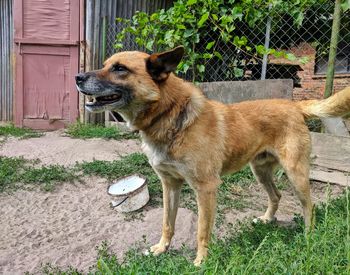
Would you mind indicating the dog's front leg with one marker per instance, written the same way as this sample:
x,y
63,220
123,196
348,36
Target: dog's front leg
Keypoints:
x,y
171,195
206,199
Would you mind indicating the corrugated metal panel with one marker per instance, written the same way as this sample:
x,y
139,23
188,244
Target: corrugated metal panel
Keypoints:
x,y
6,69
97,10
97,33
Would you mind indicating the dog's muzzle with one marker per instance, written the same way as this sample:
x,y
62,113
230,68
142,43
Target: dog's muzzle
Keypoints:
x,y
102,94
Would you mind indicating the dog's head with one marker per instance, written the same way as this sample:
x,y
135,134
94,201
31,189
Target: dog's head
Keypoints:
x,y
128,79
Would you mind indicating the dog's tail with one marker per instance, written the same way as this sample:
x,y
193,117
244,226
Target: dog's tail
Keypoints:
x,y
334,106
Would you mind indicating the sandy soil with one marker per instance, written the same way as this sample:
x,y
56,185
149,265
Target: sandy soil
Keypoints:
x,y
64,227
54,148
256,200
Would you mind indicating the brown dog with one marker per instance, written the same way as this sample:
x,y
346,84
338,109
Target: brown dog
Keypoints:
x,y
189,138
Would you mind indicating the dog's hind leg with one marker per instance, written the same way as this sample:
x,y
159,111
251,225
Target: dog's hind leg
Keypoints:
x,y
171,195
263,171
298,174
295,160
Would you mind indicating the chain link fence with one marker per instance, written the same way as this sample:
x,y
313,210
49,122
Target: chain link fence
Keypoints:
x,y
309,43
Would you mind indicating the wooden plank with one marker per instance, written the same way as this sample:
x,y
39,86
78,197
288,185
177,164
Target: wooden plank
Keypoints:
x,y
48,41
331,152
45,124
335,177
335,126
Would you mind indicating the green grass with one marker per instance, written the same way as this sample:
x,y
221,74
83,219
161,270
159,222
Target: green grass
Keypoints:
x,y
11,130
231,194
19,170
247,249
86,131
133,163
138,163
314,125
15,172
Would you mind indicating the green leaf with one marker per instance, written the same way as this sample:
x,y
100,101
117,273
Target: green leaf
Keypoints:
x,y
181,27
238,72
240,41
188,33
203,19
168,35
278,54
118,45
154,16
149,45
260,49
191,2
207,55
210,45
218,55
345,5
237,13
291,56
201,68
215,17
185,67
299,17
303,60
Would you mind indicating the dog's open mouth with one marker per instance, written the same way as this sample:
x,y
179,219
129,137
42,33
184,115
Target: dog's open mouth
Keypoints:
x,y
102,100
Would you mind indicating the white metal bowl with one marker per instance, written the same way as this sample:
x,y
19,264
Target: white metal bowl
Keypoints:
x,y
129,193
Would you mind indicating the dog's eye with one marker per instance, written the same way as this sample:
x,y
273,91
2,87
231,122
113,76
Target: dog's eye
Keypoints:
x,y
119,69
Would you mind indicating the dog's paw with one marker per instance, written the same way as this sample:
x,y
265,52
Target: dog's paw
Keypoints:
x,y
159,248
201,255
264,219
197,262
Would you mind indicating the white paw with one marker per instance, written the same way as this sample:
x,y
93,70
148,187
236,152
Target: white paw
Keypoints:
x,y
158,249
197,262
264,219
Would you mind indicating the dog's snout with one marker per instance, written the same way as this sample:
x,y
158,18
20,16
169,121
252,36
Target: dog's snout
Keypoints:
x,y
80,78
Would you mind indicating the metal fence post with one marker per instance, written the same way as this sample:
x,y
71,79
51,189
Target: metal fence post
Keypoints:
x,y
267,45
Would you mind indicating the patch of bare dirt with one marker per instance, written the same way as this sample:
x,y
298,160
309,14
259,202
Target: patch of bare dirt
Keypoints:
x,y
54,148
65,226
255,201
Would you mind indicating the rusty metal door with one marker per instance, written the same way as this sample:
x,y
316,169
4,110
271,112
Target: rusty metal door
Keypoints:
x,y
47,58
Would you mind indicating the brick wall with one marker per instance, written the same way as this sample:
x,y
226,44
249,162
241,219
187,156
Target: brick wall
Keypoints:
x,y
312,86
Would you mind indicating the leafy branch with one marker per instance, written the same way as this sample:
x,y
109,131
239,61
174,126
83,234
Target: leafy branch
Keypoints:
x,y
203,26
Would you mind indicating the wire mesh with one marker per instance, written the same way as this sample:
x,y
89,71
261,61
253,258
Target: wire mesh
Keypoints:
x,y
311,40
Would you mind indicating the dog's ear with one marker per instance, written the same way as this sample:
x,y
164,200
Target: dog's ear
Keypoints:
x,y
160,65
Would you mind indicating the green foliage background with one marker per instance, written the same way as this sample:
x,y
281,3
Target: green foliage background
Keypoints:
x,y
188,23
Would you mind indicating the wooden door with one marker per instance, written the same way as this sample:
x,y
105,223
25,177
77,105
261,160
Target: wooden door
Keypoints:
x,y
47,59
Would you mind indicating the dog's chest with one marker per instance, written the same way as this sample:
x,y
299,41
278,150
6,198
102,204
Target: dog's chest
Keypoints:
x,y
160,160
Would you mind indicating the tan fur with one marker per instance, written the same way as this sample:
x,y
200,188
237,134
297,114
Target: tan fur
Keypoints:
x,y
336,105
189,138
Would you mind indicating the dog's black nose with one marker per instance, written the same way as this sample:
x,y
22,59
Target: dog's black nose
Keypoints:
x,y
80,78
